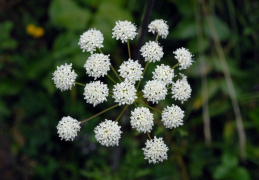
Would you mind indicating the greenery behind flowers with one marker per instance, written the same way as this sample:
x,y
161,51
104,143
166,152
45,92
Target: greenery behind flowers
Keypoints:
x,y
31,106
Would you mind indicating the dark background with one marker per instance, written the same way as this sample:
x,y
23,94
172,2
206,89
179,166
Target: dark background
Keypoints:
x,y
38,36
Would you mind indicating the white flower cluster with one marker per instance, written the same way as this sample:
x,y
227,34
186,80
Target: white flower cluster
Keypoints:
x,y
142,119
124,30
184,57
172,117
64,78
97,65
68,128
90,40
155,150
108,133
131,71
152,52
96,92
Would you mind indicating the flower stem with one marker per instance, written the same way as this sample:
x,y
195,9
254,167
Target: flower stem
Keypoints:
x,y
122,112
149,106
175,65
116,73
148,136
111,79
128,49
99,113
100,50
81,84
142,75
157,37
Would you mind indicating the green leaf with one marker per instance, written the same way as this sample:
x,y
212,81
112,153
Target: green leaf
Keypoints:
x,y
186,29
229,160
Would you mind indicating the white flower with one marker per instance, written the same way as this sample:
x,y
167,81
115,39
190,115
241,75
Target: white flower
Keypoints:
x,y
124,93
184,57
108,133
155,150
172,117
64,78
68,128
90,40
96,92
163,73
155,91
131,70
159,26
181,89
142,119
124,30
97,65
152,52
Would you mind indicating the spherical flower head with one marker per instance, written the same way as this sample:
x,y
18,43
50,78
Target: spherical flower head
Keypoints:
x,y
155,91
90,40
142,119
96,92
155,150
181,89
172,117
68,128
151,51
124,30
164,73
160,27
184,57
97,65
131,71
64,77
124,93
108,133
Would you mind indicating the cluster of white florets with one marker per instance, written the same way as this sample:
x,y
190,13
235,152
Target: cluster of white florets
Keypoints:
x,y
108,132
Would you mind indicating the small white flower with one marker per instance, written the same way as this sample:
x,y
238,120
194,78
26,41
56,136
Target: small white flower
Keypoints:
x,y
131,71
163,73
159,26
151,51
68,128
142,119
97,65
108,133
124,30
184,57
64,78
124,93
96,92
90,40
155,150
172,117
181,89
155,91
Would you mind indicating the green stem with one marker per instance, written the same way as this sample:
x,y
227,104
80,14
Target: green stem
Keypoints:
x,y
100,50
116,73
175,65
99,113
128,49
122,113
111,79
148,136
81,84
135,104
149,106
143,74
157,37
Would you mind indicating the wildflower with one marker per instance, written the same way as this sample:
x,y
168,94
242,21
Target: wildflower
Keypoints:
x,y
184,57
172,116
131,71
155,91
90,40
97,65
64,78
142,119
35,31
155,150
96,92
163,73
124,93
181,89
160,27
124,30
68,128
152,52
108,133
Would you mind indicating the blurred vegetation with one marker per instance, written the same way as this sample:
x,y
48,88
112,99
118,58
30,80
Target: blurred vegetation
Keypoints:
x,y
36,36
